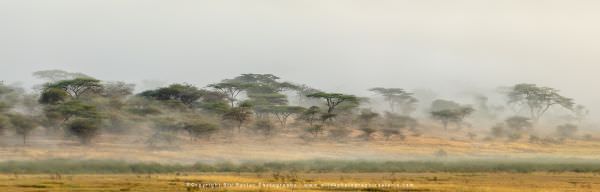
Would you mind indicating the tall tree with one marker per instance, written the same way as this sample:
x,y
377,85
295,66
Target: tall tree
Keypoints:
x,y
537,99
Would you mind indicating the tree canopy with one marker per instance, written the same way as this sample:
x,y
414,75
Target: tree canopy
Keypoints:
x,y
537,99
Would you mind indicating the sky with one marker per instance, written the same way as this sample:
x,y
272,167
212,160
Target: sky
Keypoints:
x,y
449,46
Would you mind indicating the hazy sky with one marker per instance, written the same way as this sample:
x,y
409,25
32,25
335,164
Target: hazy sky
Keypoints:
x,y
340,45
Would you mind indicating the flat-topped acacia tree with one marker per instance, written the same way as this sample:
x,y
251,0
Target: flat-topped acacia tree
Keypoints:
x,y
231,89
537,99
334,99
76,87
397,96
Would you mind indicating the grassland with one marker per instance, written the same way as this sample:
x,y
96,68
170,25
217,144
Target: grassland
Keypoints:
x,y
467,182
125,163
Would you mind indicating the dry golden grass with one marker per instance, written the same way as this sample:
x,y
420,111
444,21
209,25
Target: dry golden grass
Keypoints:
x,y
132,148
467,182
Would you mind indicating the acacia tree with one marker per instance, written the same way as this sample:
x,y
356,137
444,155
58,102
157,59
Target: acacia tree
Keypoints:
x,y
397,96
310,115
537,99
23,125
283,112
446,116
77,87
184,93
196,129
334,99
240,114
366,116
230,88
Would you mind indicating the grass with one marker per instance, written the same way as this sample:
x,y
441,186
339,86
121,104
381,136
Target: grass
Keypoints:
x,y
65,166
443,182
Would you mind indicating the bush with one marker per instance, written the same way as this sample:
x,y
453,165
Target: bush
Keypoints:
x,y
85,129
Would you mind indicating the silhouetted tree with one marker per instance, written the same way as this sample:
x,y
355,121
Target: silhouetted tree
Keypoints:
x,y
537,99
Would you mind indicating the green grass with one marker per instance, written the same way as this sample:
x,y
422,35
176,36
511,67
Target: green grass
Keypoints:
x,y
66,166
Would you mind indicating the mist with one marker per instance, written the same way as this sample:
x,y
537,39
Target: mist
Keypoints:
x,y
342,46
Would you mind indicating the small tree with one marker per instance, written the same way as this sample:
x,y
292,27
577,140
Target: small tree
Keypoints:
x,y
449,111
85,129
241,115
283,112
366,116
183,93
197,129
310,115
23,125
334,99
397,96
231,89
